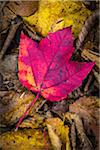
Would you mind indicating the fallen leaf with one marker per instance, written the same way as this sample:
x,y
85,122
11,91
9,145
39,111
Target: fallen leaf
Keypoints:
x,y
9,64
24,139
86,53
73,136
60,107
96,74
87,108
5,15
23,8
59,133
55,15
55,140
33,122
46,67
85,143
13,105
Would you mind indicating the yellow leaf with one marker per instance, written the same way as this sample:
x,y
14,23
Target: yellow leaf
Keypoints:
x,y
55,140
29,139
53,15
59,130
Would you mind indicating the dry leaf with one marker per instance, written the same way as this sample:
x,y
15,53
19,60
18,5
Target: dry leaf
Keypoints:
x,y
13,106
84,141
30,139
60,131
73,135
87,108
35,121
55,15
86,53
55,140
9,64
23,8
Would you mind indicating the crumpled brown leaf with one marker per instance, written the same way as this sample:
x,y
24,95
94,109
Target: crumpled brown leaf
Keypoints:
x,y
87,108
85,143
23,8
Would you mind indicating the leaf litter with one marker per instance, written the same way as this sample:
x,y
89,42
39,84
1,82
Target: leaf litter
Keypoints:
x,y
78,125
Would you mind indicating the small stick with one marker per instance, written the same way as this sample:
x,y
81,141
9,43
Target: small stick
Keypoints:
x,y
88,83
27,111
97,76
43,102
95,53
9,38
79,92
31,34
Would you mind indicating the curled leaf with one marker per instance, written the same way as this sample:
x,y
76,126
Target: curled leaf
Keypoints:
x,y
55,140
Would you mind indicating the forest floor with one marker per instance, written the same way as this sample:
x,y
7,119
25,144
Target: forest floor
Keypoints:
x,y
71,124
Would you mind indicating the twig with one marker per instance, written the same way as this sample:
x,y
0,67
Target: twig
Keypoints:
x,y
97,76
79,92
13,28
88,83
41,105
31,34
95,53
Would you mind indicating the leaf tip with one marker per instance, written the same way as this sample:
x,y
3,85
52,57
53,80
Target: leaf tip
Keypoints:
x,y
92,64
22,36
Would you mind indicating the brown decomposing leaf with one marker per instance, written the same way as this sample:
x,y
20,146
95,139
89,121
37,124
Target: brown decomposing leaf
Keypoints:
x,y
73,135
5,15
89,24
34,121
12,30
11,16
8,71
9,64
13,105
23,8
87,108
83,139
60,107
86,53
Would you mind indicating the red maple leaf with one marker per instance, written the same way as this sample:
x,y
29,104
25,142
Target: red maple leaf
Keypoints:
x,y
46,67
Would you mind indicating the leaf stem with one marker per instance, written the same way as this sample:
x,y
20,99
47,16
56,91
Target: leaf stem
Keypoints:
x,y
27,111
